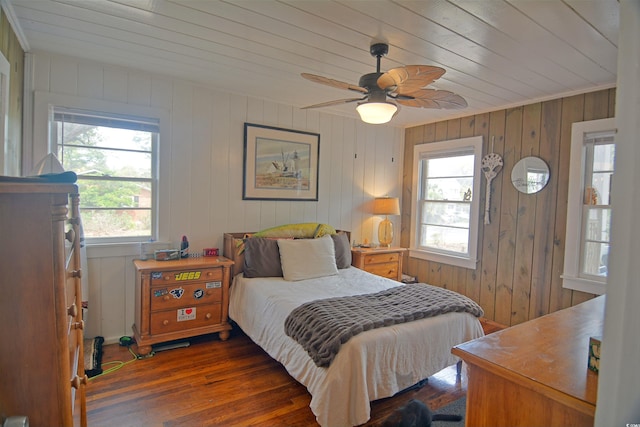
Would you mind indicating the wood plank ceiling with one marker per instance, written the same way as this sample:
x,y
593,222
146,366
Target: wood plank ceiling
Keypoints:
x,y
497,53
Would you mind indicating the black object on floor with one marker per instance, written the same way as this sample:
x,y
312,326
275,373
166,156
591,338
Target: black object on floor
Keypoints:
x,y
93,356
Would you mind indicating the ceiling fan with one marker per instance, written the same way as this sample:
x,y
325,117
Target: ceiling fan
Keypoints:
x,y
403,85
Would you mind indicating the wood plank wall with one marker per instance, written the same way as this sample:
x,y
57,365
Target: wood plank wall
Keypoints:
x,y
521,252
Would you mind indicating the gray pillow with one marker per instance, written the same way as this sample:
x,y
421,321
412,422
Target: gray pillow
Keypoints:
x,y
261,258
343,250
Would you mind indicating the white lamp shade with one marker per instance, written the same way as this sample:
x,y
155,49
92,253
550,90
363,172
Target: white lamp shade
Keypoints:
x,y
376,112
386,206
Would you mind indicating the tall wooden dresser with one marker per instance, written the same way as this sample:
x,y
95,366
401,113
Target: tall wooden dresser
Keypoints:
x,y
41,355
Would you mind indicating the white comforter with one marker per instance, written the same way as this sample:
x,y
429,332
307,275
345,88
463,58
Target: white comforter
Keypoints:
x,y
372,365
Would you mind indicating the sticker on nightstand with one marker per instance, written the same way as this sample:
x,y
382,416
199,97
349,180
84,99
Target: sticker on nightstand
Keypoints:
x,y
211,285
198,293
177,293
160,292
188,275
156,274
186,314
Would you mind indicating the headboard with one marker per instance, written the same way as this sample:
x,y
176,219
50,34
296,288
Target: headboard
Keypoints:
x,y
230,248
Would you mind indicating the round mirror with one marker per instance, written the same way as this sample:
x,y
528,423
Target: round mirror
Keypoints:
x,y
530,175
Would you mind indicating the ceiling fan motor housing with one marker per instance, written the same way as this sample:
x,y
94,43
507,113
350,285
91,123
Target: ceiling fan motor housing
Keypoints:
x,y
370,81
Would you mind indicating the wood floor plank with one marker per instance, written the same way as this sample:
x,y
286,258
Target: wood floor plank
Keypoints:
x,y
230,383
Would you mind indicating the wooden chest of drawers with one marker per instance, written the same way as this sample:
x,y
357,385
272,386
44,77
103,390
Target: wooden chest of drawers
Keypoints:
x,y
385,262
180,299
41,356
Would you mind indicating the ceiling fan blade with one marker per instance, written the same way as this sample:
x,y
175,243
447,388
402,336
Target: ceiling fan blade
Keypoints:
x,y
333,83
431,98
336,102
409,78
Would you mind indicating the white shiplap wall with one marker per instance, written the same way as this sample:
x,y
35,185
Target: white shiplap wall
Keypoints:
x,y
201,167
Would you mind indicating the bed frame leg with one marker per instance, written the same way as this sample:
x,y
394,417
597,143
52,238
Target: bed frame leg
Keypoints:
x,y
459,368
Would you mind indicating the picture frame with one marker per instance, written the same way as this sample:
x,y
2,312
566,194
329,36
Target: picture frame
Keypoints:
x,y
280,164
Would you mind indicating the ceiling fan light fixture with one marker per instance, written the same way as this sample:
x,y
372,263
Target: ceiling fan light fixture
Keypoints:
x,y
376,112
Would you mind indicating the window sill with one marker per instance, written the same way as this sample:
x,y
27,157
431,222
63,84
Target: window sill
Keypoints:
x,y
583,285
444,259
108,250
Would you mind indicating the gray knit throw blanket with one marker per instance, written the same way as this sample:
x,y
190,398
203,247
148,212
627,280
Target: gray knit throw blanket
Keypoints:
x,y
322,326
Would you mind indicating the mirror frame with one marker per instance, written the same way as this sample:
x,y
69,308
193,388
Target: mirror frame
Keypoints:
x,y
520,170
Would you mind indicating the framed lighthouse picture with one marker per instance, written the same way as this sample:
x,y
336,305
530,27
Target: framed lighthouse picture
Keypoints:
x,y
280,164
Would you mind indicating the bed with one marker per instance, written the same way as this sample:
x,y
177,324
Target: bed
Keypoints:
x,y
374,364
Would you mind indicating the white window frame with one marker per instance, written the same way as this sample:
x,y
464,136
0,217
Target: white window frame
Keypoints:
x,y
44,103
450,147
571,277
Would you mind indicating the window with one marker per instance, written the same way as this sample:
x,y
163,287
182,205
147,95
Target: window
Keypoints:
x,y
445,208
114,158
589,206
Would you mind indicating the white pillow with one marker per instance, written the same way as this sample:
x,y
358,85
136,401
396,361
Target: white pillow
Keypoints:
x,y
307,258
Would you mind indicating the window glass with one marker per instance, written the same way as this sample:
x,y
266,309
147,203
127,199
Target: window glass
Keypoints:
x,y
596,215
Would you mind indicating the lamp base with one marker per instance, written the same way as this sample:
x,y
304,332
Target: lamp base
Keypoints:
x,y
385,233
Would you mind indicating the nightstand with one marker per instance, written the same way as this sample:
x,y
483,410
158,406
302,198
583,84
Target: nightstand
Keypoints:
x,y
180,299
385,262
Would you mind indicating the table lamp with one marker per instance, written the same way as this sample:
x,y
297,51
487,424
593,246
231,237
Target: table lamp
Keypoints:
x,y
386,206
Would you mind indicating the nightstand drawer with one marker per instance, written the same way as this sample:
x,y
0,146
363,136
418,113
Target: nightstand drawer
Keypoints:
x,y
381,258
185,317
166,297
388,270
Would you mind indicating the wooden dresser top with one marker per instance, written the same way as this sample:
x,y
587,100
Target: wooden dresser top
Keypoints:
x,y
550,352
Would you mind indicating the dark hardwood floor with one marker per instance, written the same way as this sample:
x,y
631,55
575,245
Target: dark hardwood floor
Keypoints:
x,y
232,383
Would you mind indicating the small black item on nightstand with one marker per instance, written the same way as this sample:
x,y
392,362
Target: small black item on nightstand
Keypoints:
x,y
184,247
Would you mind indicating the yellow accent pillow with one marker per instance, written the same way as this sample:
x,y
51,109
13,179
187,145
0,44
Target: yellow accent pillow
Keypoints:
x,y
306,230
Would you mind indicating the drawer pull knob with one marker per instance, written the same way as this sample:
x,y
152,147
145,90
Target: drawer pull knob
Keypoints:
x,y
70,235
165,298
166,277
165,322
72,310
78,325
75,273
207,316
77,381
